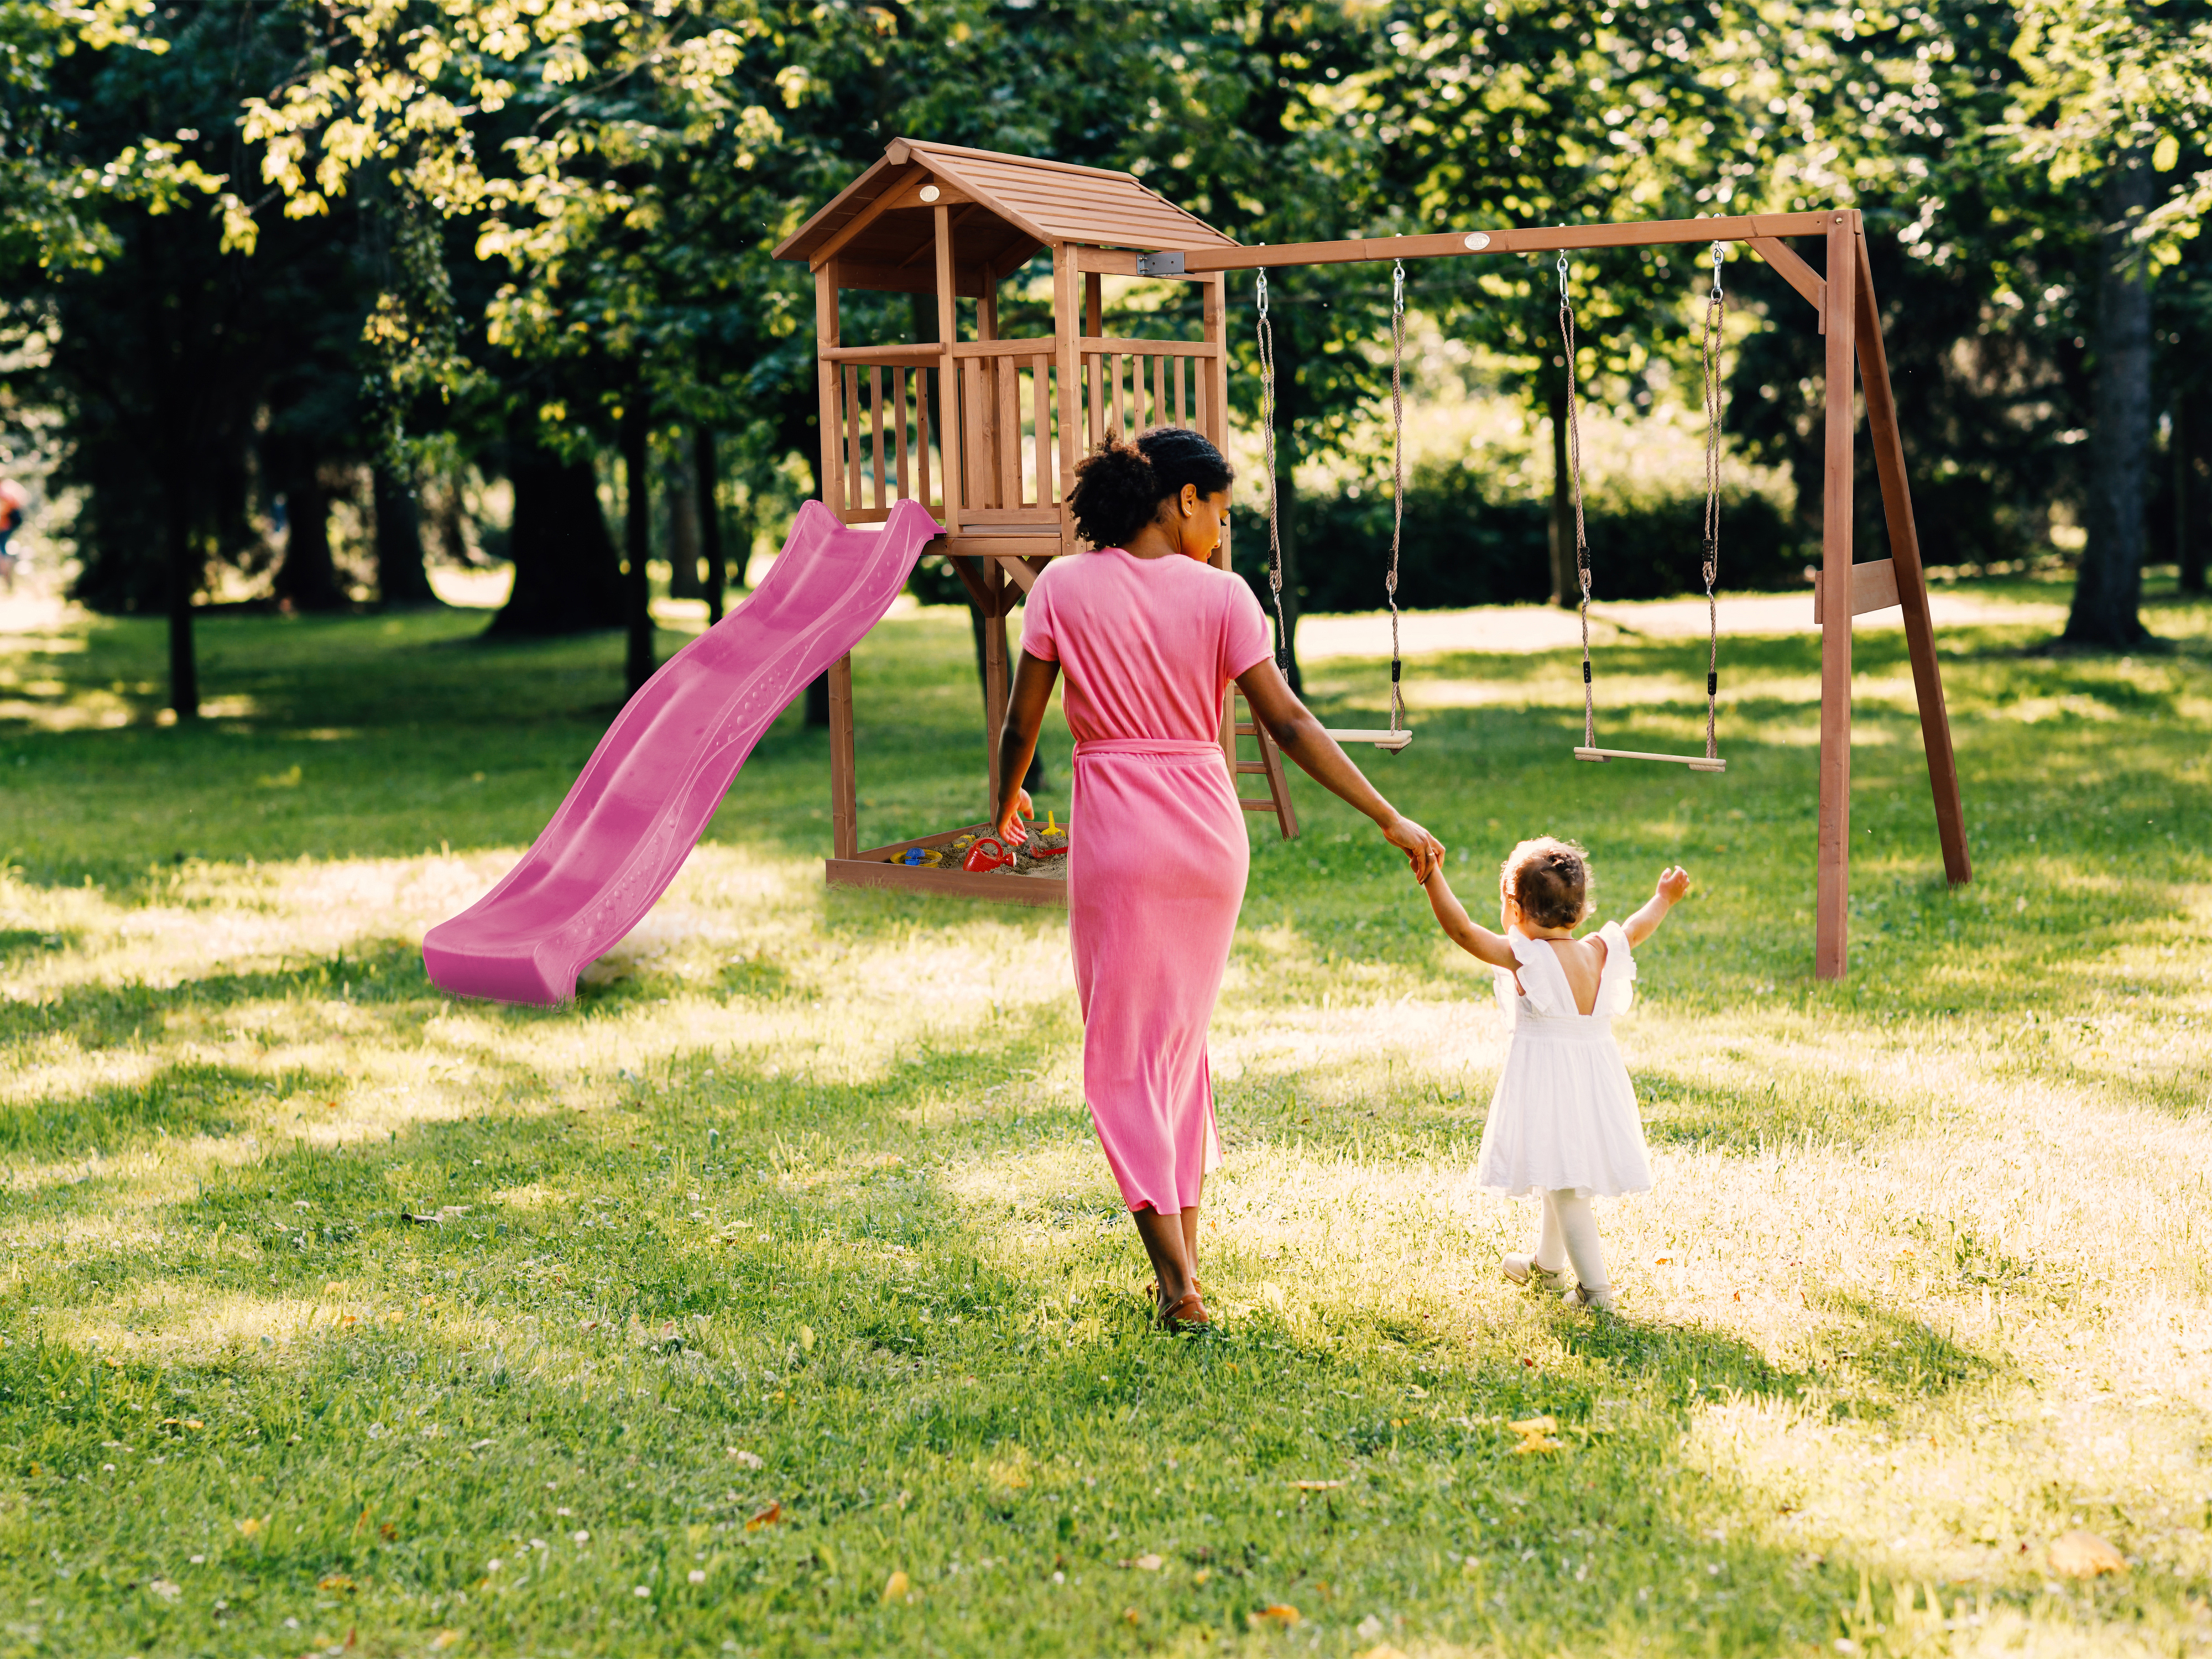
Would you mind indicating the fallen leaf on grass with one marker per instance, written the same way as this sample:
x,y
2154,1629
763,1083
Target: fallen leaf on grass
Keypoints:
x,y
337,1581
766,1517
1143,1563
167,1588
444,1640
896,1586
1315,1485
750,1459
251,1525
2084,1555
1280,1613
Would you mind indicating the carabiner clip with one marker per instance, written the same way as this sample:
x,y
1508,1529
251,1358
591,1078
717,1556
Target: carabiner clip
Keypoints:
x,y
1397,288
1263,293
1716,267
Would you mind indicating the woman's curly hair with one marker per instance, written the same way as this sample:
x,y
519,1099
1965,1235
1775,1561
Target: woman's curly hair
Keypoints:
x,y
1549,879
1120,485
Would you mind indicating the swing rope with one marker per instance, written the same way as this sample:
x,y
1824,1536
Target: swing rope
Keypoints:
x,y
1710,352
1274,525
1715,315
1397,477
1575,483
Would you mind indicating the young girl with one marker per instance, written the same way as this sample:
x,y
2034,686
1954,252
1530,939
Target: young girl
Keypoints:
x,y
1563,1123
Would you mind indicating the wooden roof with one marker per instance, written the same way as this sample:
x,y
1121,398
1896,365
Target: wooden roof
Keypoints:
x,y
1007,207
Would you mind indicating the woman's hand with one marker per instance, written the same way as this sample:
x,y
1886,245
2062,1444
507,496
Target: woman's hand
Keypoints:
x,y
1009,827
1423,851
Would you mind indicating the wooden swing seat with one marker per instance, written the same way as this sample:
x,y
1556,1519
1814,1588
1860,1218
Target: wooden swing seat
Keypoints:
x,y
1695,762
1392,741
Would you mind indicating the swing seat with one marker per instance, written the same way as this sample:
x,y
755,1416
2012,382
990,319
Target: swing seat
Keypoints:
x,y
1695,762
1392,741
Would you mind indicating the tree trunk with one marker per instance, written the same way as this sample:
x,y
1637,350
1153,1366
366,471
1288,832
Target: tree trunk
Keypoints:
x,y
1567,583
185,574
2108,592
307,579
400,578
637,540
2191,497
682,497
1286,501
706,475
567,579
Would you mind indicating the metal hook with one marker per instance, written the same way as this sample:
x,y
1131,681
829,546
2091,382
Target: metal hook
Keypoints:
x,y
1397,287
1263,293
1563,273
1716,267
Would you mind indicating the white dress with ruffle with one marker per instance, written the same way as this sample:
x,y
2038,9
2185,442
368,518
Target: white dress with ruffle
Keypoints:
x,y
1565,1112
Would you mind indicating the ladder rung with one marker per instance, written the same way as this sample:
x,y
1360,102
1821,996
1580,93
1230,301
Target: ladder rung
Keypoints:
x,y
1244,730
1265,804
1695,762
1251,766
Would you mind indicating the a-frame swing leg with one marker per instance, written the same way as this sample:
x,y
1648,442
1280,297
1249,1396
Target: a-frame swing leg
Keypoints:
x,y
1832,903
1912,580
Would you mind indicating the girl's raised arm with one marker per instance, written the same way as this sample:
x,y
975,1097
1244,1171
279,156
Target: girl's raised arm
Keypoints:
x,y
1470,935
1674,882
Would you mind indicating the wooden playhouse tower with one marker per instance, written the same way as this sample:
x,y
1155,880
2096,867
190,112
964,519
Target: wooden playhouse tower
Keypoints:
x,y
986,431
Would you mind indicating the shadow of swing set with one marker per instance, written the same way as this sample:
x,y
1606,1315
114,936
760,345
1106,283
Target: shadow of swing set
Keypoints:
x,y
985,432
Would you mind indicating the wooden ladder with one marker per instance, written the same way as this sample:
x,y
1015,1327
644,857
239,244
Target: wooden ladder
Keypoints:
x,y
1236,722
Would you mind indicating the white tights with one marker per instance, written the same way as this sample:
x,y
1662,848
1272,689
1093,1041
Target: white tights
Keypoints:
x,y
1569,1231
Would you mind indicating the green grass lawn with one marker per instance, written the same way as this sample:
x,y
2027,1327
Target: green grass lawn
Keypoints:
x,y
774,1297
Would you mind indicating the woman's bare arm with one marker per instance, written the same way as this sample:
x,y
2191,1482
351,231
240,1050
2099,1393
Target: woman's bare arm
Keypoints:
x,y
1034,679
1299,735
1470,935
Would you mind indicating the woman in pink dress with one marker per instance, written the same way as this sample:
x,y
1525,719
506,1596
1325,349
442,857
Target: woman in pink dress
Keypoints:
x,y
1150,634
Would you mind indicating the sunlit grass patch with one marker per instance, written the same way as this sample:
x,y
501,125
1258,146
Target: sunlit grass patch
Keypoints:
x,y
782,1266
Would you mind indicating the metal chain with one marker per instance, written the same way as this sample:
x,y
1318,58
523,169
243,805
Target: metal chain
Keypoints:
x,y
1575,477
1268,426
1397,474
1715,315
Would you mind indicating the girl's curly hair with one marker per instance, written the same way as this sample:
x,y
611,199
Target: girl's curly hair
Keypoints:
x,y
1549,879
1120,485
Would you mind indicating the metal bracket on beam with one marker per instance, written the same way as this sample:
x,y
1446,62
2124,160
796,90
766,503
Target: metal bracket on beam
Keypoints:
x,y
1160,264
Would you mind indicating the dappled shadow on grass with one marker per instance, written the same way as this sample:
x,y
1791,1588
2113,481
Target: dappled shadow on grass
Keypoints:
x,y
178,1100
97,1015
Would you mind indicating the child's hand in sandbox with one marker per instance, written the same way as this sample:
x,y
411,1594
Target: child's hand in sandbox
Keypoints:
x,y
1010,828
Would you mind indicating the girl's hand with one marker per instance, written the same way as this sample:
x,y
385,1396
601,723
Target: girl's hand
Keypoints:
x,y
1674,882
1009,827
1423,851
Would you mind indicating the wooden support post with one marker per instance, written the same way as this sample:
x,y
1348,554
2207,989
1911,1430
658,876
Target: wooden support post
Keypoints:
x,y
994,668
1067,327
844,793
1882,432
826,372
1831,913
1213,370
948,378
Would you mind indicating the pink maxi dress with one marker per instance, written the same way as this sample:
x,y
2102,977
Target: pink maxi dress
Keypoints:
x,y
1157,858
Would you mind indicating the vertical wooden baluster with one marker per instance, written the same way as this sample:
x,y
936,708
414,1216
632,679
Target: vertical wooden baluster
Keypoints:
x,y
1040,395
922,381
876,415
852,497
975,416
1010,432
1159,392
899,425
1120,420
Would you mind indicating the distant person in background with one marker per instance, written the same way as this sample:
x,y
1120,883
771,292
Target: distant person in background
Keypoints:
x,y
15,500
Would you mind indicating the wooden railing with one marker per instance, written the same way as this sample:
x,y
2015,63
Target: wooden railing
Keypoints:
x,y
1129,385
890,410
884,395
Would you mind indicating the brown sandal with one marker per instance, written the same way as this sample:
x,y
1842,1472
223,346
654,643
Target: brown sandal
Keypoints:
x,y
1189,1314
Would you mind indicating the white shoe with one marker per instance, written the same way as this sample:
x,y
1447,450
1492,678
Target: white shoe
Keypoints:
x,y
1522,1268
1582,1297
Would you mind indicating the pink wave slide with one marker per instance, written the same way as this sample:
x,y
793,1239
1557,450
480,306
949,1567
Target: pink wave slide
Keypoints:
x,y
644,796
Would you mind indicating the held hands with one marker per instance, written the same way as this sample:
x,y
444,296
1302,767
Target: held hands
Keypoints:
x,y
1017,807
1674,884
1423,852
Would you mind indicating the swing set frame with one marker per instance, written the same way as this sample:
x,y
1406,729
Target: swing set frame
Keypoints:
x,y
931,219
